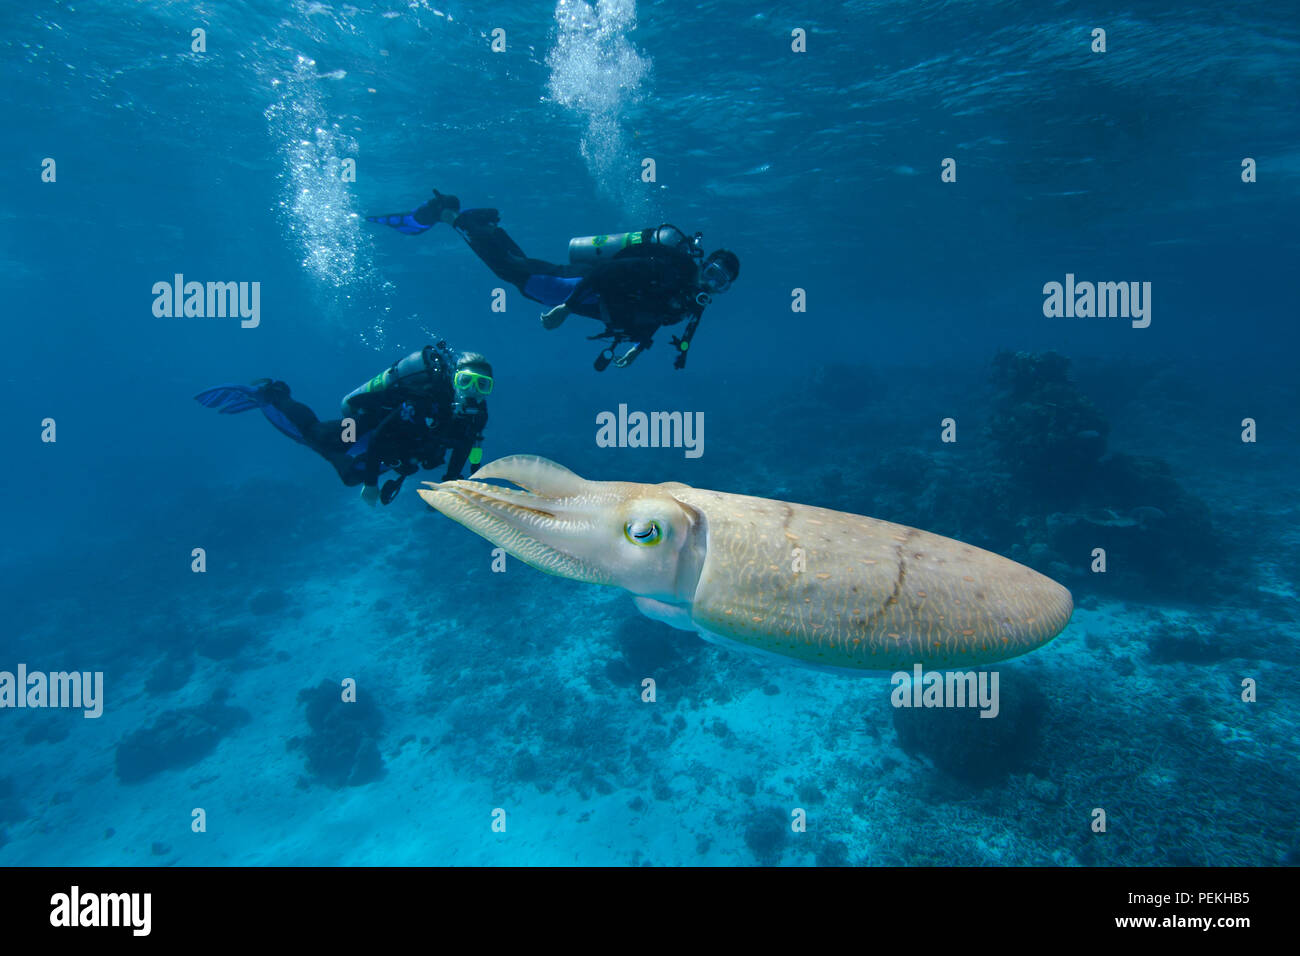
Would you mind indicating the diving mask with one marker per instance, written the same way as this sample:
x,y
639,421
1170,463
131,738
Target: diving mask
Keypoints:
x,y
466,380
715,277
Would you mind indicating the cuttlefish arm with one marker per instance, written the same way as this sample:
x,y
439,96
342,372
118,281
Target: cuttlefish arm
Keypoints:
x,y
821,587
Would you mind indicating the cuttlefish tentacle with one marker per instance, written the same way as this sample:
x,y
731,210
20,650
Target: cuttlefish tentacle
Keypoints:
x,y
821,587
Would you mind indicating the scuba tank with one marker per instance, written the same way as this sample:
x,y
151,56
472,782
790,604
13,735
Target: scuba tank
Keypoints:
x,y
604,248
420,372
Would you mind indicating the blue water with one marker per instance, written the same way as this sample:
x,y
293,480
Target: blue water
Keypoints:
x,y
482,691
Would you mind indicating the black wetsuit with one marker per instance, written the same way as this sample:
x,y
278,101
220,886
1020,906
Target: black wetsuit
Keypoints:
x,y
405,431
638,291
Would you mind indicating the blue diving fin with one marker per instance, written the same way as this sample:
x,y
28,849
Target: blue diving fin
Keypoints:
x,y
231,399
234,399
434,211
403,222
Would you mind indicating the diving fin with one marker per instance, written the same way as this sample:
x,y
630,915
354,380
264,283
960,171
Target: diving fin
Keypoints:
x,y
403,222
231,399
390,489
235,399
436,210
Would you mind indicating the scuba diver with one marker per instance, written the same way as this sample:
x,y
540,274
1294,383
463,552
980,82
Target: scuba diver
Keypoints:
x,y
407,417
634,282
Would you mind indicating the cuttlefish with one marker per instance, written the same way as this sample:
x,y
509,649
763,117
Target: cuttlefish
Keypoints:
x,y
807,584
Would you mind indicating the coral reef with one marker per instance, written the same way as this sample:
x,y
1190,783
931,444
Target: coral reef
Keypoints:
x,y
649,649
177,738
342,749
767,834
270,601
171,673
11,811
976,750
224,643
1047,434
1051,440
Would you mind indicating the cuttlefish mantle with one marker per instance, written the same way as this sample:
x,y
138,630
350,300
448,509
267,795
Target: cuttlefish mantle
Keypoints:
x,y
819,587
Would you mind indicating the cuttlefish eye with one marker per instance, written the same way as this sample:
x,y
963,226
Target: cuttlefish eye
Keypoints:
x,y
646,533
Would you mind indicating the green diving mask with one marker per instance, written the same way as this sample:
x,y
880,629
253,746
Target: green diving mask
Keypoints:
x,y
466,381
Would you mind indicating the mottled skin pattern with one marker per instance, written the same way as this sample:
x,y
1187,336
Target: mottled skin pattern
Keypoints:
x,y
869,594
820,587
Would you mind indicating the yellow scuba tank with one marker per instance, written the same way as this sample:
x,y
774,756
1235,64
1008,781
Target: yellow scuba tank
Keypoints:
x,y
419,372
604,248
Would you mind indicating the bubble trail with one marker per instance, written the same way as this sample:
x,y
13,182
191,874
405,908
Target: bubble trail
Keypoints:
x,y
597,72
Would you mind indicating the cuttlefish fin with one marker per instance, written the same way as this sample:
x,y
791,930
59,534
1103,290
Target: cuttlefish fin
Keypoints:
x,y
534,474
